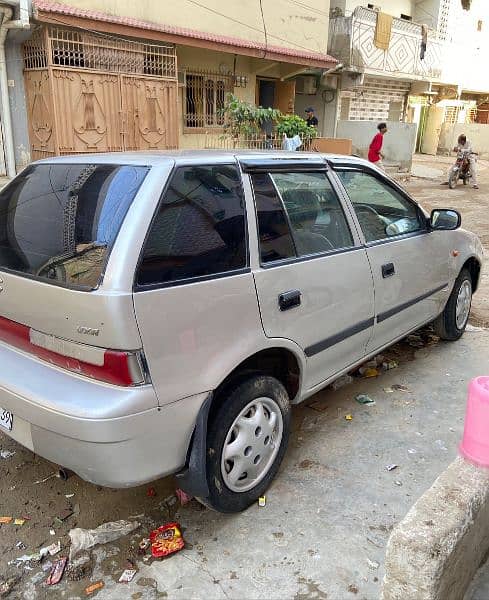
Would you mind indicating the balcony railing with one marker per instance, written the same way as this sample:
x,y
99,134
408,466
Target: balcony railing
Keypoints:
x,y
351,40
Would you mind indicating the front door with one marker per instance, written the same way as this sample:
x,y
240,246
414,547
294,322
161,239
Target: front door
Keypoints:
x,y
314,284
409,263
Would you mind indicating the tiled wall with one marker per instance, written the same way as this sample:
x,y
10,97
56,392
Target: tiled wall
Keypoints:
x,y
372,100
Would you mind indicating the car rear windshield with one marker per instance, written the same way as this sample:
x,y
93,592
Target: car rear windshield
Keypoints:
x,y
58,221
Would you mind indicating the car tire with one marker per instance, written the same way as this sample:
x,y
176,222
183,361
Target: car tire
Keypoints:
x,y
255,416
451,323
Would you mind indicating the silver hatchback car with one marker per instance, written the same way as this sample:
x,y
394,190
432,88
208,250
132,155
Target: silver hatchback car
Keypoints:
x,y
160,313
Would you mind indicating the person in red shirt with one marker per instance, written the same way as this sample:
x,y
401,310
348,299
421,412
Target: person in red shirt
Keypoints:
x,y
374,152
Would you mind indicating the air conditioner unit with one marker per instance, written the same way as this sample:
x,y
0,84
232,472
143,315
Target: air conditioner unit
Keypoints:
x,y
306,85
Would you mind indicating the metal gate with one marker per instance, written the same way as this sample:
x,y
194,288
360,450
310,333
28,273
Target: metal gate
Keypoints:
x,y
90,93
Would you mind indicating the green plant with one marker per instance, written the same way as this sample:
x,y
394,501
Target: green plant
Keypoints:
x,y
243,118
293,125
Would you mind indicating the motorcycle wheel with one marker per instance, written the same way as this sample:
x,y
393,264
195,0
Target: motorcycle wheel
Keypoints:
x,y
452,179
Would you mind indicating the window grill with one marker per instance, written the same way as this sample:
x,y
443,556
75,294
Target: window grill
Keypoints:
x,y
35,56
205,96
71,48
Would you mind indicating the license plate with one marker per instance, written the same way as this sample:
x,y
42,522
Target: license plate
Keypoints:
x,y
6,419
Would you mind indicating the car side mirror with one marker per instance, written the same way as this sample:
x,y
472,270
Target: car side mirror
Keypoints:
x,y
445,219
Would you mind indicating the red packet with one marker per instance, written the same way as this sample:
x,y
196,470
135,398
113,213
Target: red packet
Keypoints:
x,y
56,572
166,540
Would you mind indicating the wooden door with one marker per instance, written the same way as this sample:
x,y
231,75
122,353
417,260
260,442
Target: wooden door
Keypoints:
x,y
40,114
88,111
285,96
149,108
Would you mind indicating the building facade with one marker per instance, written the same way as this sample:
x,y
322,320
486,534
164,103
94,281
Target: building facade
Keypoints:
x,y
120,75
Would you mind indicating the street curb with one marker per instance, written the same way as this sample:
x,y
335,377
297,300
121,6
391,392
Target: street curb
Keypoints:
x,y
435,551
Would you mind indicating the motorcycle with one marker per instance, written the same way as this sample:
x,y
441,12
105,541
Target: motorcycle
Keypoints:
x,y
461,169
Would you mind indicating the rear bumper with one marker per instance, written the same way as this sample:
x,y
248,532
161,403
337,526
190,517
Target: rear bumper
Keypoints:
x,y
108,435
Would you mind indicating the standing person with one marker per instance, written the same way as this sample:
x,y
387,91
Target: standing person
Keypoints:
x,y
464,144
374,151
311,119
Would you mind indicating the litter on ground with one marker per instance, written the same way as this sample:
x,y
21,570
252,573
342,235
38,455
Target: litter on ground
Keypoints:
x,y
364,399
166,540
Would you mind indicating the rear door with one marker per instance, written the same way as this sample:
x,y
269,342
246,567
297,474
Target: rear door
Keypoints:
x,y
314,283
195,299
409,263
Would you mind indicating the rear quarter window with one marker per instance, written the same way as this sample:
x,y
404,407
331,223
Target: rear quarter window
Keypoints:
x,y
199,229
58,221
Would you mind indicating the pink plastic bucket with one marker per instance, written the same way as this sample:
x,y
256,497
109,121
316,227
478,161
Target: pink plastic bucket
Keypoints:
x,y
475,442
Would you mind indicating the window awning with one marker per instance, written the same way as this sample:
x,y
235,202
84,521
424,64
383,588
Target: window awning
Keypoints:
x,y
62,14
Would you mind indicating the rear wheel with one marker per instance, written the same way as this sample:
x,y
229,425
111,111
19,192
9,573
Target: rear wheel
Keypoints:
x,y
246,441
451,324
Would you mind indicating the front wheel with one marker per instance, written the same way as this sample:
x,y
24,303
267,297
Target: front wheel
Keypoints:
x,y
451,324
246,441
453,178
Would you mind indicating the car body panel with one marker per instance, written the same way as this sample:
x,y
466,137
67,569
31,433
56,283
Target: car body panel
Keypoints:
x,y
195,334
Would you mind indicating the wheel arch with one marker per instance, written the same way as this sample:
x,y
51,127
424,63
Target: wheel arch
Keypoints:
x,y
276,361
473,266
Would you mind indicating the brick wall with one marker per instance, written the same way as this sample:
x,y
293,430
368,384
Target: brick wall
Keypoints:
x,y
372,101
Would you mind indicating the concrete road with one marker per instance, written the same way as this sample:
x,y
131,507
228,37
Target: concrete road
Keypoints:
x,y
323,531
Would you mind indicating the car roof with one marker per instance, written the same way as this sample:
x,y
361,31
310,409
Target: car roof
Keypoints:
x,y
156,158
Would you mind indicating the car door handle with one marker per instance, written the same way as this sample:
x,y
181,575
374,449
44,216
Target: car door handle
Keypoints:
x,y
287,300
388,270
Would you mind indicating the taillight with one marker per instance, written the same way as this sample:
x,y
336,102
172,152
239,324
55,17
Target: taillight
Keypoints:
x,y
111,366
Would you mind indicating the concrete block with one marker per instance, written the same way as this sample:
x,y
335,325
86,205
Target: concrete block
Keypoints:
x,y
435,551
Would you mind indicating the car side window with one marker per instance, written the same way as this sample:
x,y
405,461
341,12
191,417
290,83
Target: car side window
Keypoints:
x,y
316,217
299,214
274,234
199,229
381,210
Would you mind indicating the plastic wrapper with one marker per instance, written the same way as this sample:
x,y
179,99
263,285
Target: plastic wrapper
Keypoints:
x,y
82,539
166,540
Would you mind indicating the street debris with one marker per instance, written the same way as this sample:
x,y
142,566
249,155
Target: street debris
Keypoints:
x,y
412,450
368,372
364,399
94,587
53,549
127,575
6,454
373,564
388,365
80,567
5,520
46,478
20,545
341,382
441,445
52,532
7,586
46,566
391,467
83,539
349,417
262,501
397,482
166,540
183,497
151,492
396,387
57,571
19,521
143,545
69,495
